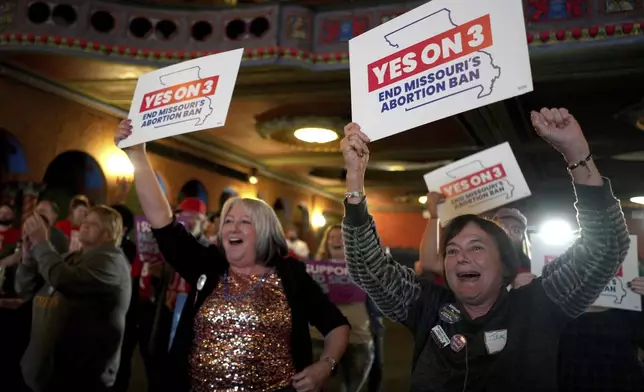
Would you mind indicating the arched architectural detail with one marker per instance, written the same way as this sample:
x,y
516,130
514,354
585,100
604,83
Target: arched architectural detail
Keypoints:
x,y
193,188
226,194
13,161
302,221
72,173
281,208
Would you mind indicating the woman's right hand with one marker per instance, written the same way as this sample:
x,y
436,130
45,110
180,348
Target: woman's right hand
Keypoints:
x,y
354,150
123,131
433,200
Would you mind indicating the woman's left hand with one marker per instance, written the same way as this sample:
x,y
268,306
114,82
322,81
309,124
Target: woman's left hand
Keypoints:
x,y
562,131
637,285
312,378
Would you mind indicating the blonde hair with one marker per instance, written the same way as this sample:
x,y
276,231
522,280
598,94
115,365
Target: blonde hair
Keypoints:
x,y
323,250
112,222
271,241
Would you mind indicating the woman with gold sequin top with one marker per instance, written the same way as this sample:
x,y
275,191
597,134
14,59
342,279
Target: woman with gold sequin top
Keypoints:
x,y
245,323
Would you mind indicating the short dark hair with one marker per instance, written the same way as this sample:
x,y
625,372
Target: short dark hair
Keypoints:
x,y
507,251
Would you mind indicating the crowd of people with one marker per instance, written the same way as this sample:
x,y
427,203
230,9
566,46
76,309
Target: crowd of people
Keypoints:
x,y
254,319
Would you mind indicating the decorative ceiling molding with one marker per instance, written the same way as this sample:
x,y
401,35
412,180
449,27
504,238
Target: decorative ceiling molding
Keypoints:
x,y
281,130
210,149
22,40
57,89
224,152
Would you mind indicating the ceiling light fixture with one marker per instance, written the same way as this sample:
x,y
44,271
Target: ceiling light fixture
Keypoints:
x,y
396,168
637,199
252,178
556,232
422,199
318,220
315,135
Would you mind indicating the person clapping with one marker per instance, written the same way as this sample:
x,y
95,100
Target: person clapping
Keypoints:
x,y
79,312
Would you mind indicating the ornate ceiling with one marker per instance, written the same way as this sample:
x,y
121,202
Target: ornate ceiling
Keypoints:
x,y
596,80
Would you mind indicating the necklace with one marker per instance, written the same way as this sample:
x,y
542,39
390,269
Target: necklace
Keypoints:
x,y
229,297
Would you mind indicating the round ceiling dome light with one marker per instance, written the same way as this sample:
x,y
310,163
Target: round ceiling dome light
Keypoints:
x,y
315,135
637,199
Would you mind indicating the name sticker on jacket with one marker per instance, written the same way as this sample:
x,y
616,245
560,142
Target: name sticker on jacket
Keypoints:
x,y
439,336
495,340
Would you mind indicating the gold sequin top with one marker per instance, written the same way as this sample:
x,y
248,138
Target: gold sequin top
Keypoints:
x,y
243,344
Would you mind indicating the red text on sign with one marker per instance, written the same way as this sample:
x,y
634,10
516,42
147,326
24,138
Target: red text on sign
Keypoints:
x,y
178,93
442,48
473,181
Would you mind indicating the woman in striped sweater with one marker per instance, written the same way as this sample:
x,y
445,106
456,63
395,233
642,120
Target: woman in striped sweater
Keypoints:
x,y
473,334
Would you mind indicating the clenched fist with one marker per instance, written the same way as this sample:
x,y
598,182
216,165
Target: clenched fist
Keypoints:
x,y
355,150
562,131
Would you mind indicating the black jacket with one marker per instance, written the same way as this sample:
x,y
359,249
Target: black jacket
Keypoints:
x,y
309,305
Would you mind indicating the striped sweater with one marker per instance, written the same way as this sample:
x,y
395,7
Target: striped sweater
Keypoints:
x,y
573,281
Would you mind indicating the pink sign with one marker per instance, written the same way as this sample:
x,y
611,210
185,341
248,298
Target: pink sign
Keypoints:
x,y
335,281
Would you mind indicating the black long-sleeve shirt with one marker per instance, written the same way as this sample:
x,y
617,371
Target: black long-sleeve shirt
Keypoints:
x,y
514,346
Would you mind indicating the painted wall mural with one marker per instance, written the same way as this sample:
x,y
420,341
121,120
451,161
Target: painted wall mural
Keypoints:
x,y
618,6
556,10
298,27
7,12
273,33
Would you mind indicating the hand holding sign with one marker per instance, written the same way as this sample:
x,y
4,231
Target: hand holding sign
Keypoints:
x,y
123,131
355,150
637,285
433,200
562,131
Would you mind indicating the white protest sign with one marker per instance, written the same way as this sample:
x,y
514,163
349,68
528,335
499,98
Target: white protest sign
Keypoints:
x,y
616,294
440,59
185,97
478,183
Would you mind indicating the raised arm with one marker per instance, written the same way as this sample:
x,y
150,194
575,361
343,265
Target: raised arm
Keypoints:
x,y
393,287
101,272
577,278
153,202
428,252
178,247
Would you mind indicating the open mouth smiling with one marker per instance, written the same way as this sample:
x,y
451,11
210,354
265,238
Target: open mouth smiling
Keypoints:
x,y
235,241
469,276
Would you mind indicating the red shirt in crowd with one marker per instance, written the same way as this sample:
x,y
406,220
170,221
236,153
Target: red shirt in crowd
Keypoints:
x,y
71,232
8,237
